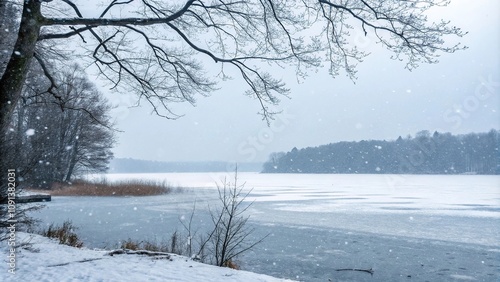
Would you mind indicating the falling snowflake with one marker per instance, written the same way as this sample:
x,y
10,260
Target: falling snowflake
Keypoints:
x,y
30,132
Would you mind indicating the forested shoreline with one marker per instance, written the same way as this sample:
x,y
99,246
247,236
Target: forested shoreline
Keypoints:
x,y
426,153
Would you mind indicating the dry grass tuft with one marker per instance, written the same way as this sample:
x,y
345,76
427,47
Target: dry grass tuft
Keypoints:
x,y
103,188
65,234
130,245
231,264
153,246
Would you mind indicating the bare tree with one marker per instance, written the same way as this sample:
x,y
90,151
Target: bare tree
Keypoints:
x,y
231,234
156,48
54,145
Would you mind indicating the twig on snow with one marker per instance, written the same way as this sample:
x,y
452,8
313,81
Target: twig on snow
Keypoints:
x,y
356,269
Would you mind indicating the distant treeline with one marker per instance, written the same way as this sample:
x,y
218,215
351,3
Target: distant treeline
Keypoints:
x,y
122,165
439,153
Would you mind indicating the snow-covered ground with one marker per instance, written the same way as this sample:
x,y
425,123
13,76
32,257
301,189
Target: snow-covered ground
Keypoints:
x,y
43,260
434,227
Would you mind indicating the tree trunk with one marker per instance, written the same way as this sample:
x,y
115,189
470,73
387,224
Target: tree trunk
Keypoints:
x,y
8,31
73,160
20,135
11,82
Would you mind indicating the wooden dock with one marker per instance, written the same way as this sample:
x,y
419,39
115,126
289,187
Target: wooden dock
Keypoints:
x,y
30,199
33,198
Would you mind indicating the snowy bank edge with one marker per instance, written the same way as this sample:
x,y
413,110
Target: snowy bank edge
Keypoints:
x,y
42,259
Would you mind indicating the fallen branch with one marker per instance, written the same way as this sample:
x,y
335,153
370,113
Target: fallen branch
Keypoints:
x,y
138,252
78,261
356,269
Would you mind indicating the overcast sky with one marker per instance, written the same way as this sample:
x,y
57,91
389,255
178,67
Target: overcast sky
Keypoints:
x,y
459,95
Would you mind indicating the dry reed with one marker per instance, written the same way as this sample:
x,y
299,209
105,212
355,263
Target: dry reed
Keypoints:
x,y
104,188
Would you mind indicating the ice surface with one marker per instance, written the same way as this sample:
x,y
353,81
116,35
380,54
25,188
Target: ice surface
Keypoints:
x,y
460,195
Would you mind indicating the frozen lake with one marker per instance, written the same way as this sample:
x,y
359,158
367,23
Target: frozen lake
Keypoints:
x,y
432,227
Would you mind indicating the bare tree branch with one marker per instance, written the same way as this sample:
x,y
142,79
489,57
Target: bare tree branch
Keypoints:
x,y
114,22
53,84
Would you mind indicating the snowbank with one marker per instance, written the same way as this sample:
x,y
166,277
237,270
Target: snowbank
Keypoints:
x,y
46,260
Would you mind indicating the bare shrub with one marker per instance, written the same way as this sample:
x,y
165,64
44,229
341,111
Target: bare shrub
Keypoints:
x,y
230,235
